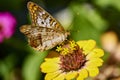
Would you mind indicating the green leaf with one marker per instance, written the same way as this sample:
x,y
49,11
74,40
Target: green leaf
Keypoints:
x,y
106,3
31,67
87,23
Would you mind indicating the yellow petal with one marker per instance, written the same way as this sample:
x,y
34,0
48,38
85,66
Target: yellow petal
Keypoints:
x,y
94,62
49,66
60,77
87,46
50,76
52,59
71,75
82,43
82,74
80,78
95,53
93,71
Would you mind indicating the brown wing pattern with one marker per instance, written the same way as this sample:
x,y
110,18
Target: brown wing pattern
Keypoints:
x,y
42,18
41,38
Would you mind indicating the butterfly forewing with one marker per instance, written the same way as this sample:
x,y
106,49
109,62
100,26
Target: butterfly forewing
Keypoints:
x,y
45,32
42,18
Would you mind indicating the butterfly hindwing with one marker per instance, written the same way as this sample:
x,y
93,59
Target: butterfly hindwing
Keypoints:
x,y
42,18
41,38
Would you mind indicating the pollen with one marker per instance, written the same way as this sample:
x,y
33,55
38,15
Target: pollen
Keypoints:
x,y
72,45
66,47
65,51
59,48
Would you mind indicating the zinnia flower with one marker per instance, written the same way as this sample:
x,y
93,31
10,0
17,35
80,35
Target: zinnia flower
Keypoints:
x,y
78,60
7,25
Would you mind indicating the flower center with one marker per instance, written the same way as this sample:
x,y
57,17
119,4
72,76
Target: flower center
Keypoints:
x,y
73,61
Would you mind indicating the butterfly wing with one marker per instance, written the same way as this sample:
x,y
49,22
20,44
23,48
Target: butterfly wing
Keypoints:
x,y
49,43
42,18
41,38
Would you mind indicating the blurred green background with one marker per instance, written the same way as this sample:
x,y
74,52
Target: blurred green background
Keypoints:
x,y
85,19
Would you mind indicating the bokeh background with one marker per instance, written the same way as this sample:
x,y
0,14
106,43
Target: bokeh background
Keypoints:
x,y
85,19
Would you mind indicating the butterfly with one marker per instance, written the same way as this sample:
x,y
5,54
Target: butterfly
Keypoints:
x,y
45,32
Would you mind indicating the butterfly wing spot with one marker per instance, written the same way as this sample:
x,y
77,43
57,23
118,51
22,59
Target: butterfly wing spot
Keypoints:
x,y
30,5
35,40
35,8
41,13
35,15
47,20
41,22
54,23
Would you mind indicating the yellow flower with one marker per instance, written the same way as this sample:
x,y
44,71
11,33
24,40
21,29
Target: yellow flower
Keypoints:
x,y
83,62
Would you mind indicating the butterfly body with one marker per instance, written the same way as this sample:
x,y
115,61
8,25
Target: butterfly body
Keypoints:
x,y
45,32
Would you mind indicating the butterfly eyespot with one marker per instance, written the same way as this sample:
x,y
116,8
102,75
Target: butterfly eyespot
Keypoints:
x,y
42,22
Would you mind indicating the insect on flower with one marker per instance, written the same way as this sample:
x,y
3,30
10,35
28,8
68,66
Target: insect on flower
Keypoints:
x,y
45,32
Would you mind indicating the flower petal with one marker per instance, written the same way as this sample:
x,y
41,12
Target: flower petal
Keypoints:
x,y
71,75
80,78
94,62
93,71
53,59
82,43
87,46
49,66
60,77
82,74
50,76
95,53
